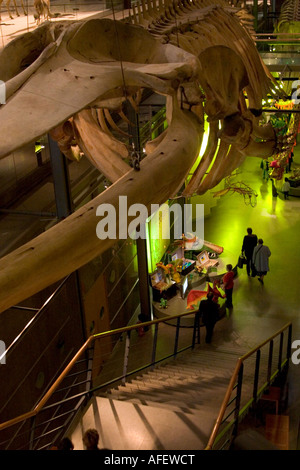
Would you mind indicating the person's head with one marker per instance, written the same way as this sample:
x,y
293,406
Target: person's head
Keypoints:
x,y
229,267
209,295
285,179
249,231
260,241
90,439
66,444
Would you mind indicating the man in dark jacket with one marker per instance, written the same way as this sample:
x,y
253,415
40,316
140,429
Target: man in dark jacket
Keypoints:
x,y
249,243
209,311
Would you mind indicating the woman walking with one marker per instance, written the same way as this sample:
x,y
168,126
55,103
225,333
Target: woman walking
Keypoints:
x,y
261,255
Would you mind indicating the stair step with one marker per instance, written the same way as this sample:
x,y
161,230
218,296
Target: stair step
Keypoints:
x,y
203,374
192,390
176,407
202,361
181,373
177,404
181,395
176,379
198,368
207,394
208,352
167,380
195,391
194,382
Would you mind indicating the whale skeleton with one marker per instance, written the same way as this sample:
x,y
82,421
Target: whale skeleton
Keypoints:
x,y
200,55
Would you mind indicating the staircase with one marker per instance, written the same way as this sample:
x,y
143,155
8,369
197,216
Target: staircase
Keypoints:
x,y
173,407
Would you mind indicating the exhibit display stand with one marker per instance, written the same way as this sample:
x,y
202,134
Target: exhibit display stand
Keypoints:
x,y
183,277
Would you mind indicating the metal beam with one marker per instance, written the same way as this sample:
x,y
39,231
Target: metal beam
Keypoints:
x,y
280,61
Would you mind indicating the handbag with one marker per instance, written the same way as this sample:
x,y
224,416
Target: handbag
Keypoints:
x,y
241,261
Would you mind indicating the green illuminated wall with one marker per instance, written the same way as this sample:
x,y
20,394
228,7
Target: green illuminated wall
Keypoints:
x,y
202,150
157,242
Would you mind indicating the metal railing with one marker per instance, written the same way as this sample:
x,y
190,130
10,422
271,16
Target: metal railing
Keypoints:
x,y
38,432
17,351
153,127
47,422
261,382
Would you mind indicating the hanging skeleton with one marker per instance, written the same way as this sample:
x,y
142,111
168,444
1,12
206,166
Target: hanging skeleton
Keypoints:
x,y
199,55
8,2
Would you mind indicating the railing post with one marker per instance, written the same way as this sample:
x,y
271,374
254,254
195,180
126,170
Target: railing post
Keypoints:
x,y
126,354
90,359
154,346
255,14
196,329
32,431
256,375
289,345
280,353
176,336
238,400
270,362
238,375
289,348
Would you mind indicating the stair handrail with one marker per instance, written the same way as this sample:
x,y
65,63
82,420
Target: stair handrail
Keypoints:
x,y
40,405
232,383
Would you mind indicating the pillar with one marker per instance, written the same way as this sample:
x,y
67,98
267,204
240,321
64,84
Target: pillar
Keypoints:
x,y
145,300
60,180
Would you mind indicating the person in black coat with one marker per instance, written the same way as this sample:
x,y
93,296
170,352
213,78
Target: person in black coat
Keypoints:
x,y
209,311
249,243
